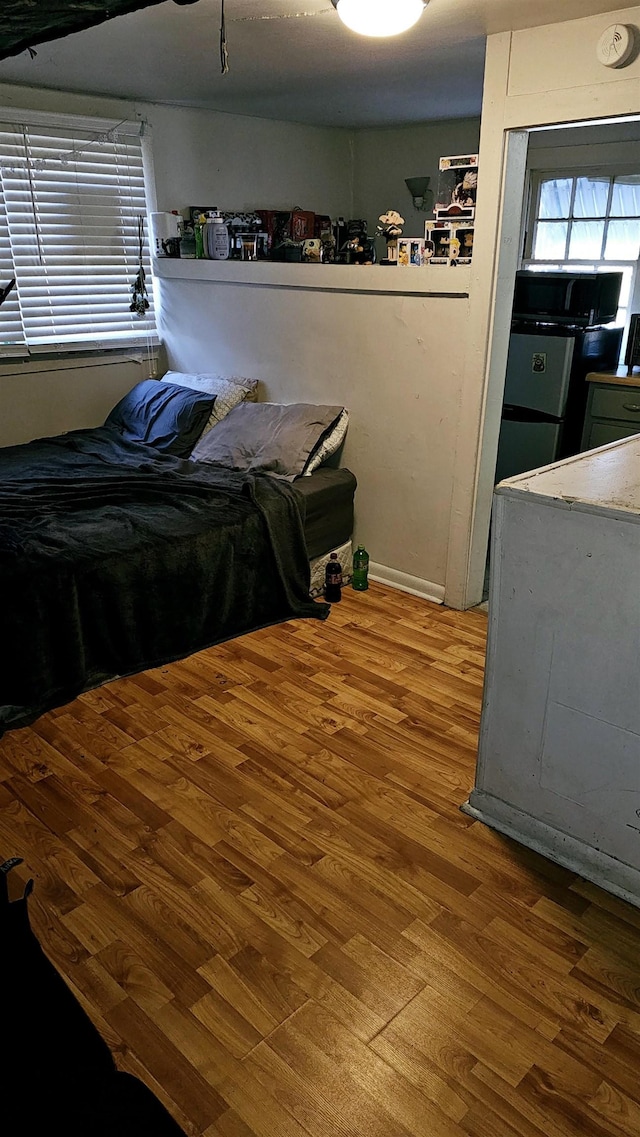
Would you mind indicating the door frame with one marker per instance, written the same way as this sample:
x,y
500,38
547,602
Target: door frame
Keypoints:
x,y
536,78
495,262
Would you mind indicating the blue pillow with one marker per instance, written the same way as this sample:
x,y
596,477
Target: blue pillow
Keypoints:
x,y
163,415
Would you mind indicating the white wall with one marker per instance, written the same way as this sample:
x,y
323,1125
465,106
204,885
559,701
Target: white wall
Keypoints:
x,y
200,158
46,397
536,77
395,362
575,146
236,162
385,157
327,334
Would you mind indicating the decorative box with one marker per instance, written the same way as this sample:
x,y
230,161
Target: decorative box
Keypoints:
x,y
446,243
286,225
411,251
302,224
457,188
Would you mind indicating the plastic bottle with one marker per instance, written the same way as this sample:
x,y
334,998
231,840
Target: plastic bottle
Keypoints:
x,y
360,576
216,238
333,580
187,241
198,229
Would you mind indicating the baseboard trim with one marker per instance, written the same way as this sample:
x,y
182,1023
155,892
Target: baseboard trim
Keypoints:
x,y
406,583
600,868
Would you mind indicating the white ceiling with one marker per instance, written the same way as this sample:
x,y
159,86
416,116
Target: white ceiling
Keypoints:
x,y
303,66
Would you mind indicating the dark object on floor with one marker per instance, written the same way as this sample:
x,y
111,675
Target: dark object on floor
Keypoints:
x,y
23,23
57,1075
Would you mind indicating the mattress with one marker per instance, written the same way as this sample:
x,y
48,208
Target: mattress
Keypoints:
x,y
325,500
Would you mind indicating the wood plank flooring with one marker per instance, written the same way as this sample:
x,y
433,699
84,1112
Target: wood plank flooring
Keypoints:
x,y
252,869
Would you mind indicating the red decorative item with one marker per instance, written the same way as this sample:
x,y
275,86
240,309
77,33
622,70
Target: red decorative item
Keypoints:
x,y
302,224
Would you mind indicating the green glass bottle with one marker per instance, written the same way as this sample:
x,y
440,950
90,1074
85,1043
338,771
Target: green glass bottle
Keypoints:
x,y
197,232
360,575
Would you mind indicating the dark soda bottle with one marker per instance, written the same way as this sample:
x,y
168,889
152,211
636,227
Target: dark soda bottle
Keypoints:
x,y
333,580
360,575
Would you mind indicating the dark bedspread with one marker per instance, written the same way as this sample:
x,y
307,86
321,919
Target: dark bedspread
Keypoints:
x,y
115,557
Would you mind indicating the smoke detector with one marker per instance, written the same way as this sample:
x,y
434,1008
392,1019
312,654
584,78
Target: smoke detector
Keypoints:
x,y
615,45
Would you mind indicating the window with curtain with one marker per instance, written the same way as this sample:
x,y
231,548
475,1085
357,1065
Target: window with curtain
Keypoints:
x,y
587,222
71,199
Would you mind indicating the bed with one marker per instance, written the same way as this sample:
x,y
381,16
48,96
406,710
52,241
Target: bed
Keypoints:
x,y
121,549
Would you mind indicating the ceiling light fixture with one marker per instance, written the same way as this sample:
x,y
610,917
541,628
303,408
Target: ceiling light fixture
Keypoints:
x,y
379,17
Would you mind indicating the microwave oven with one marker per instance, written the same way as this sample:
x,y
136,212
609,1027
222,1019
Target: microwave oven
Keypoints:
x,y
581,299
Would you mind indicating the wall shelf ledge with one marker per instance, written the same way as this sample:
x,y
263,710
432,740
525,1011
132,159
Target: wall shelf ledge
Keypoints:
x,y
439,281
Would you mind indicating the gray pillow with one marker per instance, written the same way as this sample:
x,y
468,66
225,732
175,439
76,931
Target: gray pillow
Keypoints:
x,y
274,438
329,444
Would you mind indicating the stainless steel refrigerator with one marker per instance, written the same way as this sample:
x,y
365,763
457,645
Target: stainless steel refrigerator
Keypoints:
x,y
546,393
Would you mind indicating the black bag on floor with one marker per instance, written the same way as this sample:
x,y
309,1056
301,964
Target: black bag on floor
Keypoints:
x,y
56,1071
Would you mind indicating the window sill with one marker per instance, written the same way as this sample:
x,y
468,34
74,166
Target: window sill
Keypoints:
x,y
41,362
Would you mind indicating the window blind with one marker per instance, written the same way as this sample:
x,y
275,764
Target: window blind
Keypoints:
x,y
70,200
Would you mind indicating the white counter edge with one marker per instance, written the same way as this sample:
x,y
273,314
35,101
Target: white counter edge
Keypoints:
x,y
605,478
438,281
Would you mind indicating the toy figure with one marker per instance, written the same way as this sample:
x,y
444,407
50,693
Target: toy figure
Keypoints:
x,y
454,250
465,191
390,227
358,249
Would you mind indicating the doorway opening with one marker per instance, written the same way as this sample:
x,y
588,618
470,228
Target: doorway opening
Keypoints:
x,y
578,191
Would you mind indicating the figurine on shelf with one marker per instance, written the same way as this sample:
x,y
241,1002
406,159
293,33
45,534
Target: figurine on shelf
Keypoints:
x,y
390,227
358,248
464,193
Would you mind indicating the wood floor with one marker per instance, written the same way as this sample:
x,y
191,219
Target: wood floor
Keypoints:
x,y
252,869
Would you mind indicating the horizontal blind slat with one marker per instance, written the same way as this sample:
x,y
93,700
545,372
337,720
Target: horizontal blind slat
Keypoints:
x,y
71,204
11,326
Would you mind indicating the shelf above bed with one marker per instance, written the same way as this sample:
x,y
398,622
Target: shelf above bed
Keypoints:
x,y
439,281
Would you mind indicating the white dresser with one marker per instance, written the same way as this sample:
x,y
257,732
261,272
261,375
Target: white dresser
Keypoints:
x,y
559,756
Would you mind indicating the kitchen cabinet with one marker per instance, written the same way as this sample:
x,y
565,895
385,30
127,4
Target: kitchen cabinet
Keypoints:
x,y
613,408
559,753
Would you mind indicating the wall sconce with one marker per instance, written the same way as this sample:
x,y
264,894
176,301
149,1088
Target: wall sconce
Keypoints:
x,y
418,188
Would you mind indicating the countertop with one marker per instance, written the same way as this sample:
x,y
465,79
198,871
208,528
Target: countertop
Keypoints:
x,y
604,479
619,378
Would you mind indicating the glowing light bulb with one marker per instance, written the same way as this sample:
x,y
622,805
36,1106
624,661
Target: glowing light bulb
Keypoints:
x,y
379,17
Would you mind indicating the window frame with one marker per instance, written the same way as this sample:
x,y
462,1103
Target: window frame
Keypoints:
x,y
148,336
609,170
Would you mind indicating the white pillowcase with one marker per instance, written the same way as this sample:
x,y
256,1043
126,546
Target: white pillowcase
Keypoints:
x,y
329,444
229,393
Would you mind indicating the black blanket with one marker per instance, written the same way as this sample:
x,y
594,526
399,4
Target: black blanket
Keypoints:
x,y
115,557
